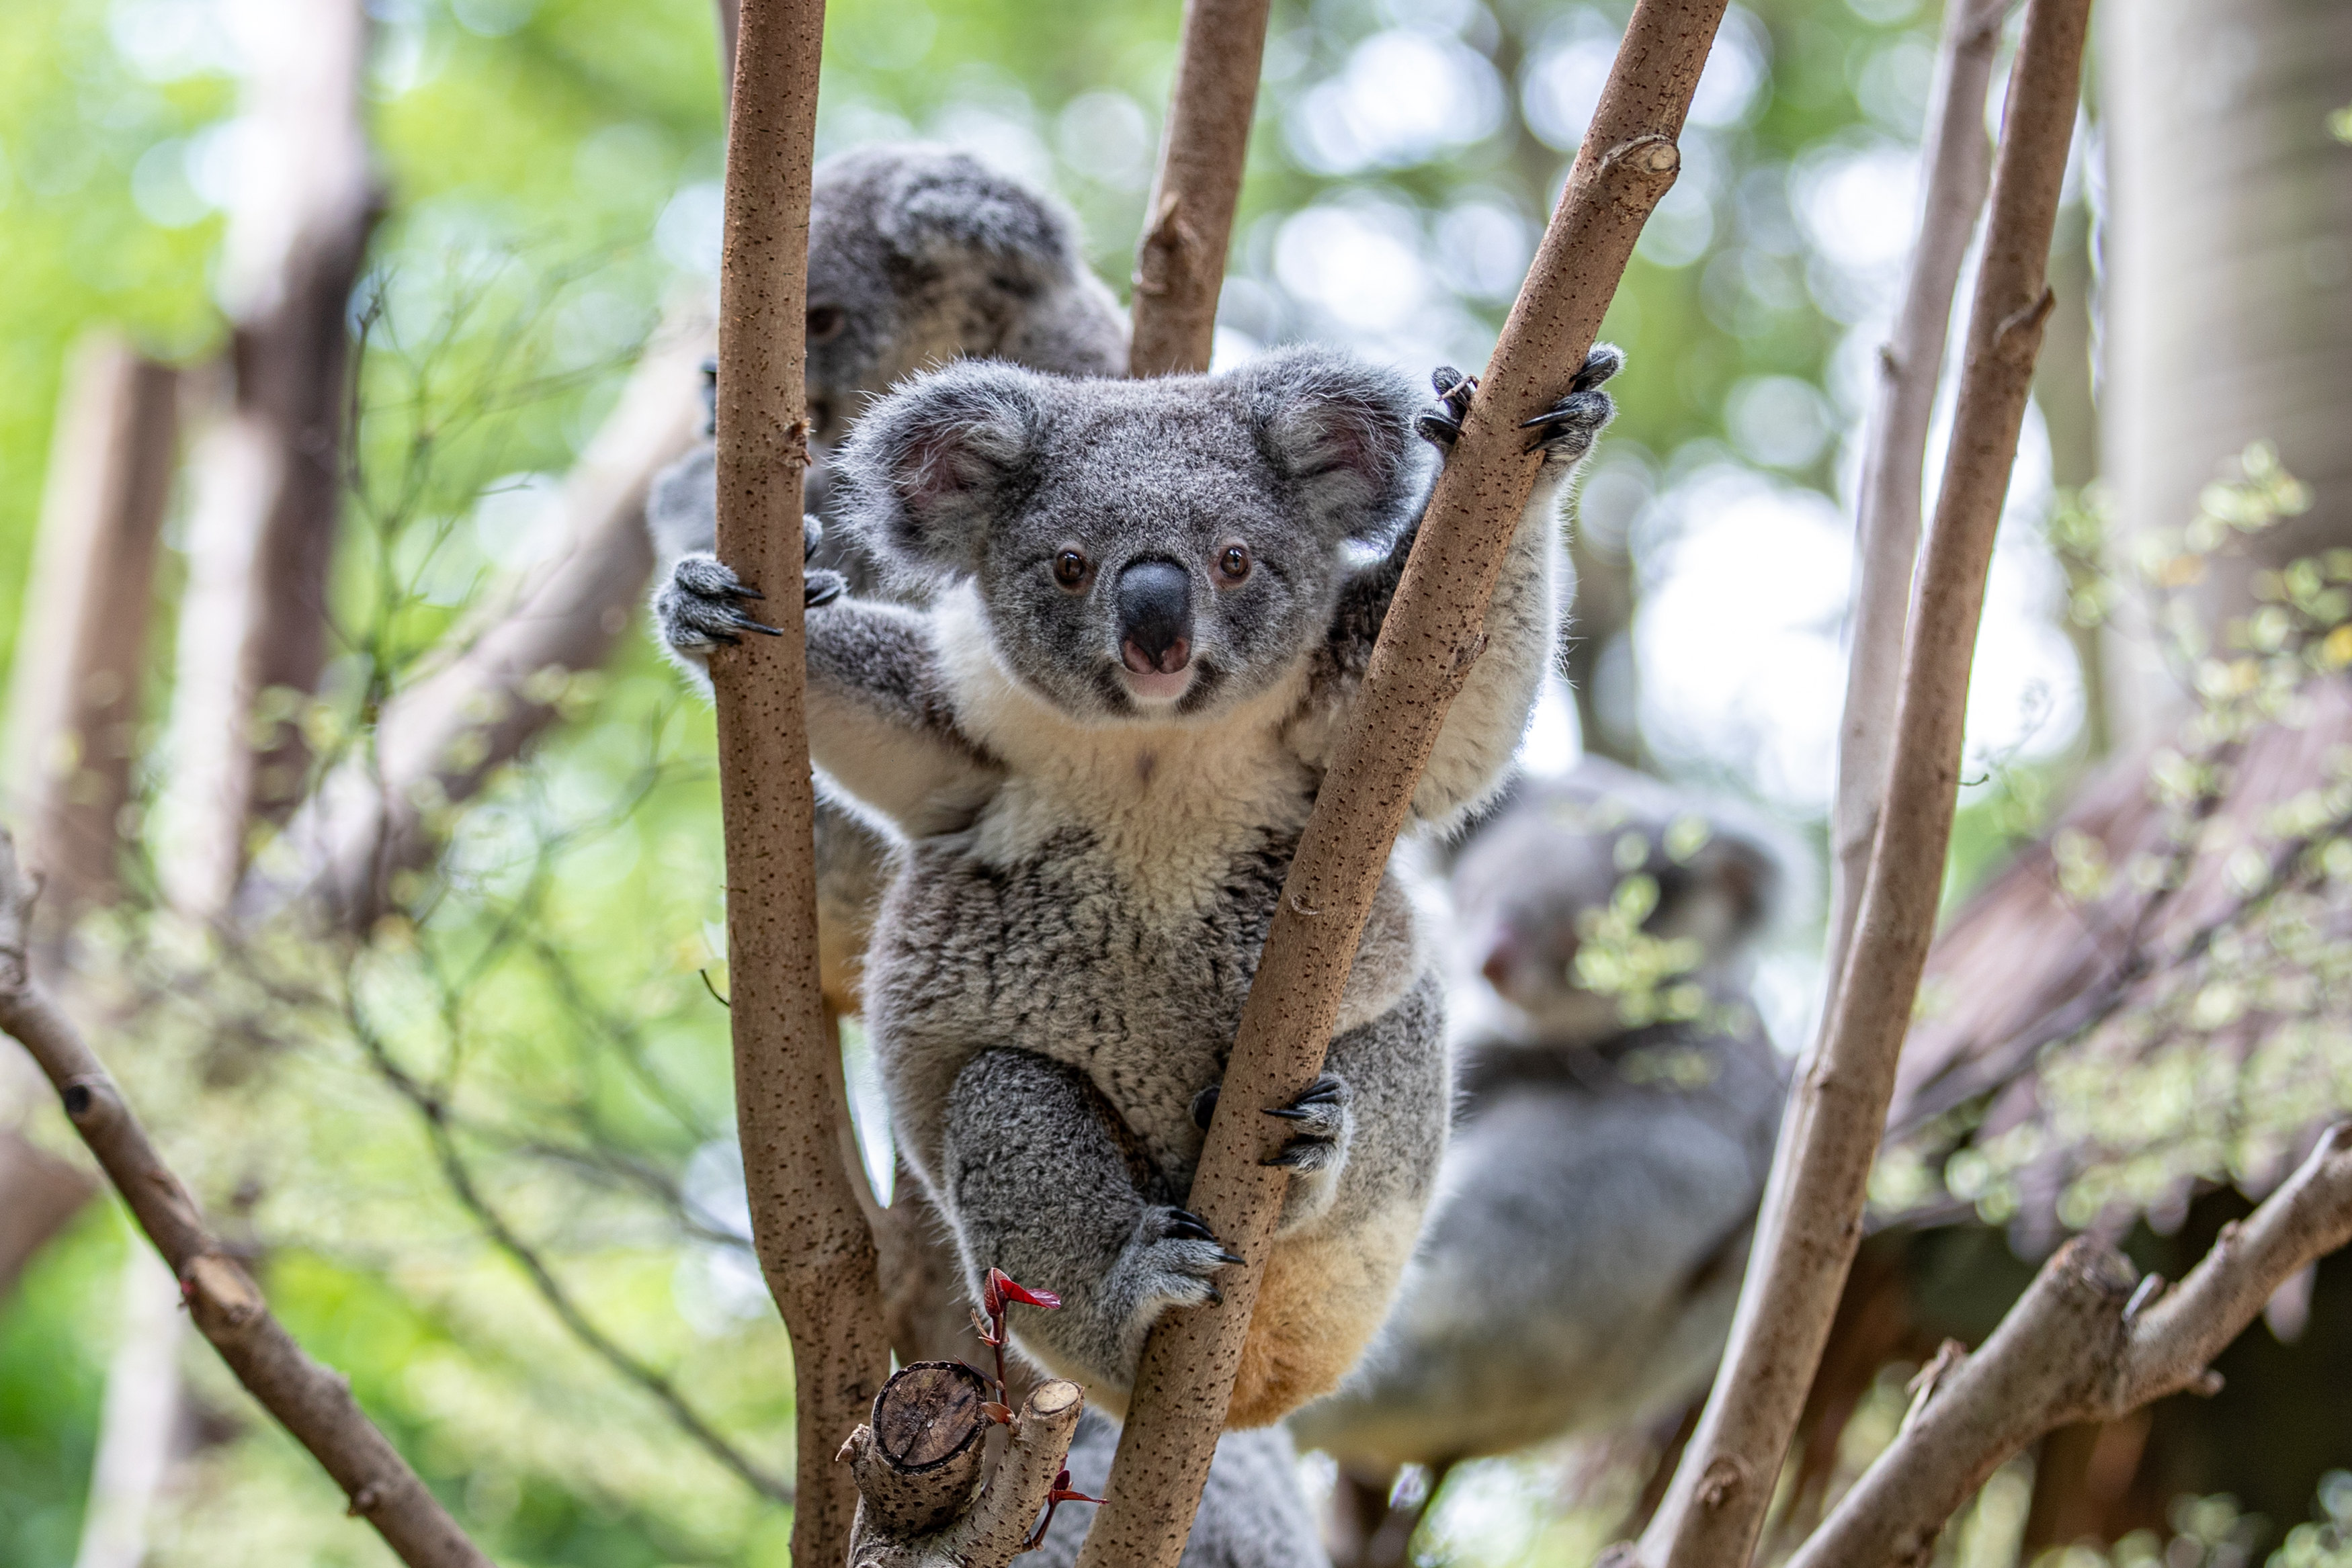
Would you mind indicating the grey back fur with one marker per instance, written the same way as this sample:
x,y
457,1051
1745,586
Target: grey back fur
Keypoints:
x,y
1253,1514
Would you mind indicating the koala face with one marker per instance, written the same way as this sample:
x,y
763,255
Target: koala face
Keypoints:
x,y
1537,883
1141,549
919,256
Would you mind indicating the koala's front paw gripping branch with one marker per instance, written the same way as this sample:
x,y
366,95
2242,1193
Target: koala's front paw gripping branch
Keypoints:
x,y
1432,634
312,1402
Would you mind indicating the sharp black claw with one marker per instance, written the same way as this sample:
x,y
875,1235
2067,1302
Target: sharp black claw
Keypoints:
x,y
1321,1092
745,590
746,623
1290,1113
1188,1227
1444,430
1225,1256
1204,1105
1293,1156
1216,1297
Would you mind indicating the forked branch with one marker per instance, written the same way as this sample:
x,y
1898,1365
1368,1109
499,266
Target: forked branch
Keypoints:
x,y
1811,1219
312,1402
1434,631
918,1466
2085,1342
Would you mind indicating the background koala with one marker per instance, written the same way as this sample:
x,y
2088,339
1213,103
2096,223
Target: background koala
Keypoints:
x,y
917,256
1101,741
1253,1512
1584,1255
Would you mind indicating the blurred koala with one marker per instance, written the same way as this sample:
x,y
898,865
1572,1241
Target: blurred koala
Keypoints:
x,y
1619,1106
1253,1514
917,256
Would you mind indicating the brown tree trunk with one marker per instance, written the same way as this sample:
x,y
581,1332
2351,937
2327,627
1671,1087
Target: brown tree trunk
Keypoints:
x,y
269,477
1432,634
808,1219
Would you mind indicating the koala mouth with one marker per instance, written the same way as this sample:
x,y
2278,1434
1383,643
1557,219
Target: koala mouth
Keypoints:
x,y
1158,686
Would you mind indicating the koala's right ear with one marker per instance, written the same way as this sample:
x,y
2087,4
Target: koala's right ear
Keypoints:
x,y
930,464
1339,431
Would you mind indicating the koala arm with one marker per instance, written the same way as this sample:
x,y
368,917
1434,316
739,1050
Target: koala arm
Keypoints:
x,y
881,724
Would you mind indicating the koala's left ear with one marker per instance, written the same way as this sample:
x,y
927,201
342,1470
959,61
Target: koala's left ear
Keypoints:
x,y
950,205
1339,431
928,465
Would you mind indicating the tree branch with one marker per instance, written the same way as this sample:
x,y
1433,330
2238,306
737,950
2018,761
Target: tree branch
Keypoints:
x,y
312,1402
2077,1346
1432,633
1180,264
1811,1219
918,1468
1959,161
815,1245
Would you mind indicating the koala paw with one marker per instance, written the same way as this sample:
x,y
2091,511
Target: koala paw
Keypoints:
x,y
1322,1122
1173,1257
1442,424
1564,432
701,605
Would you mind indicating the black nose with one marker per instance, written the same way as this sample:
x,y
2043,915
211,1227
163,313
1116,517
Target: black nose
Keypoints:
x,y
1155,617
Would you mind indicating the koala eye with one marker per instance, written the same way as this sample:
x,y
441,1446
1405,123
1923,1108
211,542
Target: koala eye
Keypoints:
x,y
1233,562
825,321
1070,568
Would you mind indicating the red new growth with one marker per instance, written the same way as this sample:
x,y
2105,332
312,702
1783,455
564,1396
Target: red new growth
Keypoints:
x,y
1001,1287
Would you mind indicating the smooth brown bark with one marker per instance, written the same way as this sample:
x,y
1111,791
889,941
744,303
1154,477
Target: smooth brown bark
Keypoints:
x,y
918,1465
269,477
313,1403
815,1245
2087,1341
1432,633
1811,1219
1959,160
1180,265
73,709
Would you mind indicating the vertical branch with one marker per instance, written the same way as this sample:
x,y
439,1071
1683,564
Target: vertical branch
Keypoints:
x,y
1180,265
1958,163
1434,631
1813,1208
73,709
313,1403
815,1245
269,479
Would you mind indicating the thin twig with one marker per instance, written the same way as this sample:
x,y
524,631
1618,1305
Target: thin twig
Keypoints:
x,y
313,1403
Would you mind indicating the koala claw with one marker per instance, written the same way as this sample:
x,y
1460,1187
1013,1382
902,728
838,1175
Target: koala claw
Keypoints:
x,y
1186,1226
1566,429
700,606
1442,426
1177,1263
1204,1105
1321,1114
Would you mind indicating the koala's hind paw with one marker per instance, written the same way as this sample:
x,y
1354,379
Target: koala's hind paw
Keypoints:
x,y
1564,432
1322,1121
1173,1257
1442,424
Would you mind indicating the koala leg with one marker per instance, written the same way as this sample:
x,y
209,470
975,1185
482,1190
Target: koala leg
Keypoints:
x,y
1045,1183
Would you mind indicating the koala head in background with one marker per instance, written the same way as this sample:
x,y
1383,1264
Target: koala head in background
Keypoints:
x,y
1138,549
919,256
1573,880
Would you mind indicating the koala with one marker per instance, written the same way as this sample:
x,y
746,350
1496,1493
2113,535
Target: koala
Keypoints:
x,y
1253,1514
1584,1253
917,256
1150,607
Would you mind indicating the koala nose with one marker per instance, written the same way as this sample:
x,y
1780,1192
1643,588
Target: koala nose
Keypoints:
x,y
1155,617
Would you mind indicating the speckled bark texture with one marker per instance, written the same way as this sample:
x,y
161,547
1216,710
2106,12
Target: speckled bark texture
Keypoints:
x,y
1180,265
1812,1210
1433,633
813,1243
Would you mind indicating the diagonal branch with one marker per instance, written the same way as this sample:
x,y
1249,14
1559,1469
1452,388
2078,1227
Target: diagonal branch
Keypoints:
x,y
312,1402
1180,264
807,1220
2080,1345
1811,1219
1434,631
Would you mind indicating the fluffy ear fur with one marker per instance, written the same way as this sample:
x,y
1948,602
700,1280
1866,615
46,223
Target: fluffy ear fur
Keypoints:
x,y
1339,434
947,204
926,469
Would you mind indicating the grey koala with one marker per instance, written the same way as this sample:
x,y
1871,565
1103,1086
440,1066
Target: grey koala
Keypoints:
x,y
1152,605
1584,1252
1253,1512
917,256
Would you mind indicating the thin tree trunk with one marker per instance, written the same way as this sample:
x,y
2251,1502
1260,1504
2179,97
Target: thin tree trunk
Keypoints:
x,y
2087,1341
1179,266
1433,633
1959,161
815,1245
140,1419
501,682
73,709
1812,1217
313,1403
269,478
2065,390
